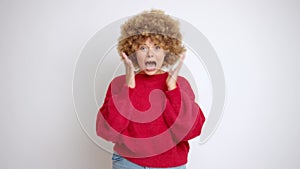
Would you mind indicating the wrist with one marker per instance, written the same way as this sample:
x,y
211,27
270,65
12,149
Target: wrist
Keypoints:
x,y
131,86
130,82
172,87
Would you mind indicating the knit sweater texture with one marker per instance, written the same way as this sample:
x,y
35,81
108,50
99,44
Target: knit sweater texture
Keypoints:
x,y
149,124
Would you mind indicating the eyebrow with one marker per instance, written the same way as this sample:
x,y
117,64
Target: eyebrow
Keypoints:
x,y
155,44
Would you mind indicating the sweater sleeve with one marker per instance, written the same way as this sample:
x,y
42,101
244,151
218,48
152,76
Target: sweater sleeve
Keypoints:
x,y
110,123
184,116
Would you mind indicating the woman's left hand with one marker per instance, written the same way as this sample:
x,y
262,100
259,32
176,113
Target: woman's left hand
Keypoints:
x,y
173,73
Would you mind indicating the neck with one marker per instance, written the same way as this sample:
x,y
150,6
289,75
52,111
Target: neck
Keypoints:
x,y
158,72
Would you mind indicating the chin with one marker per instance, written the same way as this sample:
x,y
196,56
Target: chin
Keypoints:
x,y
152,72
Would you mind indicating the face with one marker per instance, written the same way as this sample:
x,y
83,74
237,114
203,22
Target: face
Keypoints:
x,y
150,57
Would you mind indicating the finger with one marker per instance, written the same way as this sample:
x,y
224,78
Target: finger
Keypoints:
x,y
129,63
126,59
181,58
175,71
124,56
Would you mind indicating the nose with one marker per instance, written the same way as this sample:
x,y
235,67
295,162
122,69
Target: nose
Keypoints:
x,y
150,53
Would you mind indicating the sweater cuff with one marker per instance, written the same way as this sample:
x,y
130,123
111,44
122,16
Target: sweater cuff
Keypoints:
x,y
174,96
126,92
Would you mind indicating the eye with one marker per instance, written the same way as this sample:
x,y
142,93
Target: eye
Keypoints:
x,y
143,48
157,47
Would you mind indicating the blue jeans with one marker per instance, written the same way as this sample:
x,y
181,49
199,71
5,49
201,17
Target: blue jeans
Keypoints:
x,y
119,162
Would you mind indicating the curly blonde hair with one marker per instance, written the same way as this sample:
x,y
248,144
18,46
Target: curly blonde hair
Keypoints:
x,y
162,29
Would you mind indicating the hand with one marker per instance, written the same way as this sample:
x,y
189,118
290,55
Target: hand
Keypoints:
x,y
130,81
173,73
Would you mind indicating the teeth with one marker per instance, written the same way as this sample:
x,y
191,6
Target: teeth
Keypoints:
x,y
150,65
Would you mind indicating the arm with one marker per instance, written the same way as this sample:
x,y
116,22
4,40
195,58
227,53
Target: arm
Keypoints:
x,y
110,123
183,115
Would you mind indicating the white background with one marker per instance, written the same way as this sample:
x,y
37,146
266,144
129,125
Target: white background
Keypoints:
x,y
257,43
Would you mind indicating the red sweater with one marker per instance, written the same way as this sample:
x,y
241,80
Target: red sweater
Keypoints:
x,y
150,125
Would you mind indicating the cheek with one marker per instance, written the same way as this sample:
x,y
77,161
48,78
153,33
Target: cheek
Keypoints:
x,y
161,58
140,60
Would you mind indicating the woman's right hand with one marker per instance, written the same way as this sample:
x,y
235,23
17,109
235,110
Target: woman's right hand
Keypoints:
x,y
130,81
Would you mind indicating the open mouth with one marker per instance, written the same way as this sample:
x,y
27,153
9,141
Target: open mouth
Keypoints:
x,y
150,65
